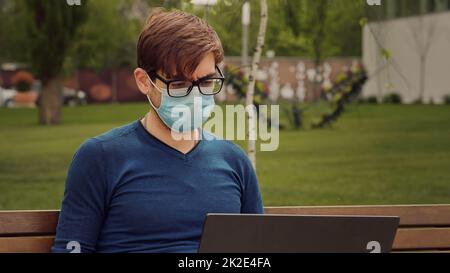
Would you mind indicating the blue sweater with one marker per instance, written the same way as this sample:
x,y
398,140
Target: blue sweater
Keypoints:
x,y
126,191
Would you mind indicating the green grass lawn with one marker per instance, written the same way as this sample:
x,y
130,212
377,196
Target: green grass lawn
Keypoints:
x,y
375,154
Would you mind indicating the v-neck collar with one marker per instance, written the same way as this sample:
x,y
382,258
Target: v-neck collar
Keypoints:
x,y
165,147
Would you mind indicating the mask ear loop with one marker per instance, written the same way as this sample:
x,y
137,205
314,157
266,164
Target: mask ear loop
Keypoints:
x,y
157,88
160,91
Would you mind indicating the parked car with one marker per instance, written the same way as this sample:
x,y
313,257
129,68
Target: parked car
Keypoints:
x,y
74,97
71,97
7,97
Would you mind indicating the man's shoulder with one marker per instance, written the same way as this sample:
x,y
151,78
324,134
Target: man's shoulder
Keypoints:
x,y
106,140
226,147
116,133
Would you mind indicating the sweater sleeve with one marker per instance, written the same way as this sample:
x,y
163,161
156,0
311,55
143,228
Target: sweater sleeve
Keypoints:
x,y
83,205
251,199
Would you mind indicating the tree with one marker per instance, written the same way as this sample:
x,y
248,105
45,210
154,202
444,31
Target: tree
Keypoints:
x,y
288,26
13,42
316,30
96,46
251,134
51,26
116,49
324,28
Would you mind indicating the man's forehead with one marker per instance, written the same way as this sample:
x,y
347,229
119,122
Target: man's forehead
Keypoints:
x,y
208,72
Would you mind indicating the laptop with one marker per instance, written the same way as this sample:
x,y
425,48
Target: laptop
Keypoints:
x,y
266,233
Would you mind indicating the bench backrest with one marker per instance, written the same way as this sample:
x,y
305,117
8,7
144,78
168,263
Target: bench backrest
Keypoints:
x,y
27,231
422,227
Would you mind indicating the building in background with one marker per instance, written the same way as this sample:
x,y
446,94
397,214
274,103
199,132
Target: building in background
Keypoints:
x,y
406,50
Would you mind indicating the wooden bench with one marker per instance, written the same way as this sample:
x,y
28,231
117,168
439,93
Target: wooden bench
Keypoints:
x,y
423,228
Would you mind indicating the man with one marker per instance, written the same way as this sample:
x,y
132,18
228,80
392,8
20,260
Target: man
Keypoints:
x,y
148,185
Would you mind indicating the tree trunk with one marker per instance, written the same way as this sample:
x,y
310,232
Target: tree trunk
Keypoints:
x,y
317,78
114,85
252,115
423,64
317,45
51,102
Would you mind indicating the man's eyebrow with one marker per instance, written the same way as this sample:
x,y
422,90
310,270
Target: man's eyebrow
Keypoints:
x,y
209,75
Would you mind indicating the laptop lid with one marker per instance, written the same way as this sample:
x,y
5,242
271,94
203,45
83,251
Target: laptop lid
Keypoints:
x,y
265,233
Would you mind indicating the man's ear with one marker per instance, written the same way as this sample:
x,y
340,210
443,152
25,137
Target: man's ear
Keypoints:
x,y
142,80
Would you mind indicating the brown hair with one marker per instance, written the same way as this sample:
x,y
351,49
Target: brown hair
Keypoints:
x,y
176,42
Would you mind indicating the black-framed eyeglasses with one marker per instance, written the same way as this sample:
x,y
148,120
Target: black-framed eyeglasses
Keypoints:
x,y
208,85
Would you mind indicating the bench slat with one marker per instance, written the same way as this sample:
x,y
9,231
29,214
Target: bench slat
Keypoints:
x,y
414,215
405,240
28,222
423,227
422,239
36,244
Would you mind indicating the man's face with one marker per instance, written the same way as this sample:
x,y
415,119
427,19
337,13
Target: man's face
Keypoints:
x,y
205,67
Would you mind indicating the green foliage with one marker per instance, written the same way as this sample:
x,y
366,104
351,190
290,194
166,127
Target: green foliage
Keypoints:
x,y
108,31
13,41
343,93
392,98
327,27
386,53
447,99
239,81
50,28
294,28
369,100
225,18
109,37
363,22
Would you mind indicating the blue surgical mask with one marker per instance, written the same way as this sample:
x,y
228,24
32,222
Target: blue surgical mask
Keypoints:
x,y
183,114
